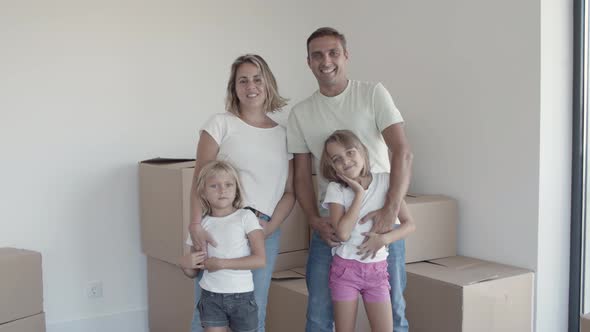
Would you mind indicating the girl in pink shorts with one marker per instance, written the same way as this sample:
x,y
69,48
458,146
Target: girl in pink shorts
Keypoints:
x,y
352,193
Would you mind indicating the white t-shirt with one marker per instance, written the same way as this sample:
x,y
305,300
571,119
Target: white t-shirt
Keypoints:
x,y
230,232
373,199
259,155
364,108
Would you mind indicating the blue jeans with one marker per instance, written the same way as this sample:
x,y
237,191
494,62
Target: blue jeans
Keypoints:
x,y
320,315
235,310
261,277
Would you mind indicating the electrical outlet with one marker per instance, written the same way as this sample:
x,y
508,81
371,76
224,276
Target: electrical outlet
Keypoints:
x,y
94,289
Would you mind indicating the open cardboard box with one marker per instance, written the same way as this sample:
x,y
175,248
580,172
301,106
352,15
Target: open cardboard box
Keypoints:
x,y
463,294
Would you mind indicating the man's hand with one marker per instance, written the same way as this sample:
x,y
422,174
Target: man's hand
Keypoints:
x,y
193,260
325,230
383,219
373,243
201,237
213,264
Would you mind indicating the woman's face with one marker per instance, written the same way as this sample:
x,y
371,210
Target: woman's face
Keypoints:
x,y
250,87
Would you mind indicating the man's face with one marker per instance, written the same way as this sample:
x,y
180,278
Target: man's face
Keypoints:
x,y
327,60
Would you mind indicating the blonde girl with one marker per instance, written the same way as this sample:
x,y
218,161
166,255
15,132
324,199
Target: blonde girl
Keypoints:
x,y
353,192
227,290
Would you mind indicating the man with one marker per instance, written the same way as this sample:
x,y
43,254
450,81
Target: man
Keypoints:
x,y
368,110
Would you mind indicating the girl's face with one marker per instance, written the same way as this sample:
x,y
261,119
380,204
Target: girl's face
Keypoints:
x,y
220,191
347,161
250,87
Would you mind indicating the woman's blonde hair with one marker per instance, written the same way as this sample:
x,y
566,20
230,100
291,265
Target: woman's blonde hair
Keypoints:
x,y
210,169
273,102
349,140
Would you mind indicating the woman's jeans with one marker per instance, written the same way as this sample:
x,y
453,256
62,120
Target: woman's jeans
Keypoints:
x,y
320,316
262,278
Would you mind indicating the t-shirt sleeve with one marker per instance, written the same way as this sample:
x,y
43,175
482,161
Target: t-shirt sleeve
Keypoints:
x,y
334,194
250,222
216,126
295,140
386,113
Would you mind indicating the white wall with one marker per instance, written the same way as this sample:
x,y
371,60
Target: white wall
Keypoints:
x,y
90,89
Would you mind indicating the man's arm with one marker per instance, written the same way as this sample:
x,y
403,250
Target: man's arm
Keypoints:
x,y
399,179
307,199
401,165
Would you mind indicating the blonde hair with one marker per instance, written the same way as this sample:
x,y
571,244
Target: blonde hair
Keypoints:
x,y
210,169
273,102
349,140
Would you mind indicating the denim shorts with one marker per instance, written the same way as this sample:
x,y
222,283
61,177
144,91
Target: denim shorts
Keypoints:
x,y
236,310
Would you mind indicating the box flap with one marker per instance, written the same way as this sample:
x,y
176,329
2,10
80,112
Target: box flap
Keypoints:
x,y
288,275
174,163
300,270
463,271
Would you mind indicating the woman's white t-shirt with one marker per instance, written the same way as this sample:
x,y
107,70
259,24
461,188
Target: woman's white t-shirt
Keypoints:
x,y
259,154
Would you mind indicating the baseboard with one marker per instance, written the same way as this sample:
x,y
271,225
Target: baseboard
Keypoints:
x,y
131,321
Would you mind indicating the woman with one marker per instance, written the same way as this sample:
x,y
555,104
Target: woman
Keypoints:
x,y
256,145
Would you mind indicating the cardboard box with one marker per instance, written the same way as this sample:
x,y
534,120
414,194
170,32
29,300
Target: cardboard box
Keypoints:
x,y
164,186
585,323
436,218
289,260
171,297
462,294
34,323
21,284
287,302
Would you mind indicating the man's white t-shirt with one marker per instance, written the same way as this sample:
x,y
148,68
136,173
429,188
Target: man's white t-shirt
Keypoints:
x,y
373,199
259,155
231,234
364,108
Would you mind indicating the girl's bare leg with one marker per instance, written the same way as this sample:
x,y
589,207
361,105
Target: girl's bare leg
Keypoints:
x,y
345,315
379,315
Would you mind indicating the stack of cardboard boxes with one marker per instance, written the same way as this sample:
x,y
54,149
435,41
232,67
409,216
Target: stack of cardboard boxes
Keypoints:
x,y
444,292
21,291
165,186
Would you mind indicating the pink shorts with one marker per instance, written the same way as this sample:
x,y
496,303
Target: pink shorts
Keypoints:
x,y
349,277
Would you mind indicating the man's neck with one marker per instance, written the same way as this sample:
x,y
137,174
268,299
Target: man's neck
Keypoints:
x,y
334,90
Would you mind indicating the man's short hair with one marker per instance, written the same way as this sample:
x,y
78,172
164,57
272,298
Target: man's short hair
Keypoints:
x,y
326,31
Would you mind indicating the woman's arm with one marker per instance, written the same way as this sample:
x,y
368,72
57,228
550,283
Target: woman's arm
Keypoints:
x,y
256,260
207,150
284,206
192,262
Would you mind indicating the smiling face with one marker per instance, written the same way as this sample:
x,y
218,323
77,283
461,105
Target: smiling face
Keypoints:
x,y
250,87
220,191
327,59
348,161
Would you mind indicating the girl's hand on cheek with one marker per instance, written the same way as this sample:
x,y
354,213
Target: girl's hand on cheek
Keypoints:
x,y
353,184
